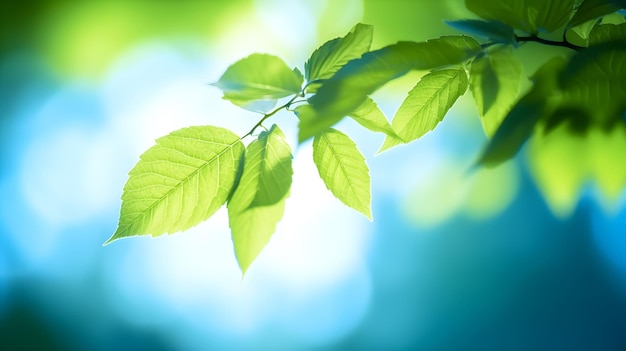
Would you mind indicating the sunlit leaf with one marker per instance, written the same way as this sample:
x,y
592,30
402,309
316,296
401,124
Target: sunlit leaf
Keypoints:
x,y
426,105
531,16
607,33
371,117
520,122
267,171
259,77
258,202
491,29
343,169
179,182
252,229
591,9
350,86
495,83
334,54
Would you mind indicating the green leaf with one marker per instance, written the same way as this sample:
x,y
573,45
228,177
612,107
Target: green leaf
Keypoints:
x,y
343,169
252,229
607,33
484,85
562,162
334,54
298,74
495,83
179,182
579,35
531,16
607,152
267,172
426,105
371,117
557,163
350,86
492,29
258,202
593,83
591,9
260,106
520,122
259,77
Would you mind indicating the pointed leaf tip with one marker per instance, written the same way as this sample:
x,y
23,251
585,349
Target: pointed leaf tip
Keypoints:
x,y
259,77
258,203
426,105
343,169
335,53
371,117
347,89
495,80
179,182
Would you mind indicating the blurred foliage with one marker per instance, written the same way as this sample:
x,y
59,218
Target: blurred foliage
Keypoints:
x,y
513,281
582,88
83,38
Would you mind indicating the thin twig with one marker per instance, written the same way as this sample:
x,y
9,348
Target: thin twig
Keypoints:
x,y
564,43
270,114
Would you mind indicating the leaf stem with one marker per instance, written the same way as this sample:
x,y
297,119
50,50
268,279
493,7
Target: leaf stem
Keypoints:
x,y
314,81
296,102
535,38
270,114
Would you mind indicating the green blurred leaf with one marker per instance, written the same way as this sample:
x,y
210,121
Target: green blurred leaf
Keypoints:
x,y
607,152
259,77
586,92
491,29
350,86
495,83
371,117
485,85
343,169
298,74
594,83
258,202
606,33
426,105
531,16
334,54
579,35
591,9
614,18
267,172
520,122
179,182
557,163
562,162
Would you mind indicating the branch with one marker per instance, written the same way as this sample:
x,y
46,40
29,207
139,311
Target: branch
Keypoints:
x,y
270,114
564,43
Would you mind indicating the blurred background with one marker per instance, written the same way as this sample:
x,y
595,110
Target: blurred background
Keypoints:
x,y
454,260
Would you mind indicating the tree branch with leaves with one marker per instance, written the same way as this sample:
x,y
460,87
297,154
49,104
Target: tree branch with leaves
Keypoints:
x,y
192,172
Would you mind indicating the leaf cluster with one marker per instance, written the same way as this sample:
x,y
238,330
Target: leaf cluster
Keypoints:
x,y
189,174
